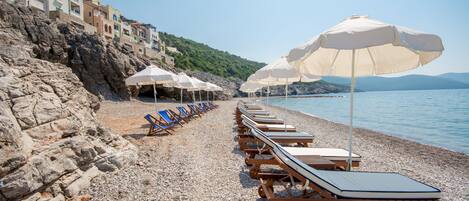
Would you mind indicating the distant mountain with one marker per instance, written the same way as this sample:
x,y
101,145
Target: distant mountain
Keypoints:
x,y
459,77
408,82
200,57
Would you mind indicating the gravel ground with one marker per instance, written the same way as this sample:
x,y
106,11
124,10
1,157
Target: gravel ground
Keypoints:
x,y
199,162
202,162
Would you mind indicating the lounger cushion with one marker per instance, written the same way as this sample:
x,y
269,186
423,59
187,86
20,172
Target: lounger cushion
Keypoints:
x,y
289,135
276,127
328,153
267,120
360,184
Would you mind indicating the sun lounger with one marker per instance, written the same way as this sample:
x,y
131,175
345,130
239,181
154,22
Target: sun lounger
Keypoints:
x,y
184,113
328,185
166,117
182,118
335,155
258,114
213,105
194,110
204,107
269,127
158,126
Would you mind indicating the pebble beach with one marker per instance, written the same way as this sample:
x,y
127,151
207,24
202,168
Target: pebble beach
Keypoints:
x,y
201,160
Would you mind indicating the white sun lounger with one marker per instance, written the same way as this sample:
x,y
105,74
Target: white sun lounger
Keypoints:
x,y
357,185
268,127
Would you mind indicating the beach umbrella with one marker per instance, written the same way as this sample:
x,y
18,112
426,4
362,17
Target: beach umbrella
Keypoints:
x,y
280,72
212,88
185,82
250,87
201,85
359,46
152,75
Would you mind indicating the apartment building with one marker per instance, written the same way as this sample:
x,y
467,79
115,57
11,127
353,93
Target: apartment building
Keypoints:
x,y
116,17
98,16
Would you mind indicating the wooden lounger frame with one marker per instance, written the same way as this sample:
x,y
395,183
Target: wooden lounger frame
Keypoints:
x,y
256,163
268,180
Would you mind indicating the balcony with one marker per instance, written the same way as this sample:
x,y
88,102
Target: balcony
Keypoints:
x,y
76,2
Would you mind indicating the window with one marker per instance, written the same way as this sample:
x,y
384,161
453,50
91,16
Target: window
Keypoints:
x,y
89,14
105,28
116,27
114,17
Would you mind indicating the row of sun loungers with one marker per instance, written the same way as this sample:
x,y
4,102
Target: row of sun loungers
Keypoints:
x,y
302,172
166,120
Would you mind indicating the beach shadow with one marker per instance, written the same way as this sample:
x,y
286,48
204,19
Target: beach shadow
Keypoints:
x,y
139,136
135,136
145,126
237,151
246,181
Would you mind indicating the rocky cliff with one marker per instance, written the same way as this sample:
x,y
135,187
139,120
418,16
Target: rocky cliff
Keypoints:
x,y
50,142
319,87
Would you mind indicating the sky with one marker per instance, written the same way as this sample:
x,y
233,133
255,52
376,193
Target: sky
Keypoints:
x,y
264,30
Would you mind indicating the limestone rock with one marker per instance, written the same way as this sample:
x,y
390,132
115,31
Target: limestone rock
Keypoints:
x,y
51,144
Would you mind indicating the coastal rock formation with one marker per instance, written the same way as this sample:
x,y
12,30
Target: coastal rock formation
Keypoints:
x,y
50,142
102,66
230,86
319,87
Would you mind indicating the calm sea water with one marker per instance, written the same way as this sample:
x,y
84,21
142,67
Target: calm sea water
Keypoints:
x,y
436,117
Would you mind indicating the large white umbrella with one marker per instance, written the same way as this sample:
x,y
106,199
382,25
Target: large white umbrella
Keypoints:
x,y
152,75
212,88
280,72
201,85
250,87
185,82
359,46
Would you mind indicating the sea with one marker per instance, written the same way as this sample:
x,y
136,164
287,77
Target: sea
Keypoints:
x,y
434,117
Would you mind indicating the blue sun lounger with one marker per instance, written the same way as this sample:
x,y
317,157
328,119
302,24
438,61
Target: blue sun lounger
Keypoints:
x,y
194,110
183,112
164,114
181,117
157,126
201,107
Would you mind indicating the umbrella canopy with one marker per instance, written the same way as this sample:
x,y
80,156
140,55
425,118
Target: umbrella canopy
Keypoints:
x,y
212,87
280,72
199,84
186,82
379,48
151,75
360,46
249,87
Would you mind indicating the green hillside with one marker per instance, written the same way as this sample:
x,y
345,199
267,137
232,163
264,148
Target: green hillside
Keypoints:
x,y
200,57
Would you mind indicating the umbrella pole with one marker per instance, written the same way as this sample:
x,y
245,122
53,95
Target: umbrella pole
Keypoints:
x,y
200,97
350,132
285,105
268,93
154,94
193,96
181,95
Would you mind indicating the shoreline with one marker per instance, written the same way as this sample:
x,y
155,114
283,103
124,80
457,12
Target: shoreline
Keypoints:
x,y
395,135
378,132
